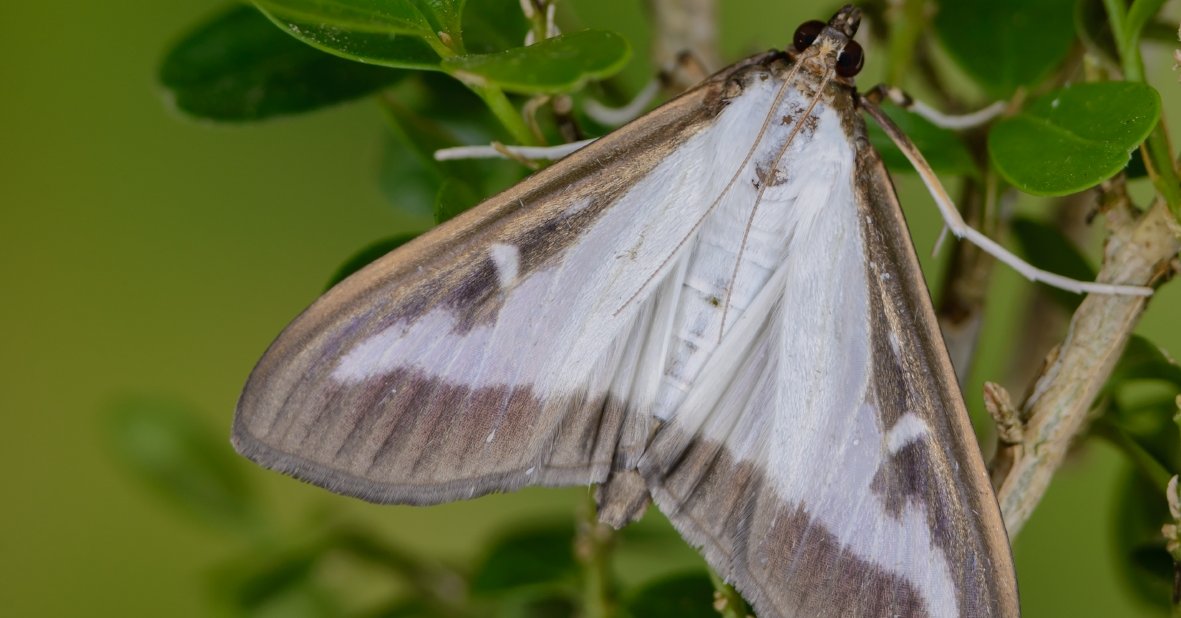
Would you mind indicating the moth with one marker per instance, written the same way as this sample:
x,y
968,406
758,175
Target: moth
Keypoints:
x,y
717,308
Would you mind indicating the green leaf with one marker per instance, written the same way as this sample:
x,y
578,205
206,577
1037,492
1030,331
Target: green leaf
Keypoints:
x,y
689,595
413,180
410,185
405,608
1144,360
365,256
238,66
1073,138
551,605
485,29
165,446
542,555
1046,247
559,64
420,187
454,197
374,16
277,582
1005,44
1141,404
942,148
1144,564
258,581
445,15
391,33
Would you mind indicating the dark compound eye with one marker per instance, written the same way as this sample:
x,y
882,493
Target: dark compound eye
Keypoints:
x,y
806,33
851,60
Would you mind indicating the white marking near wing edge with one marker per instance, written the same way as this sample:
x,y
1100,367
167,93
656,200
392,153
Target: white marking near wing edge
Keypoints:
x,y
909,428
507,260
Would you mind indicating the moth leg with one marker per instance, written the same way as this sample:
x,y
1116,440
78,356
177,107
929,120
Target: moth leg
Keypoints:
x,y
955,223
500,151
900,98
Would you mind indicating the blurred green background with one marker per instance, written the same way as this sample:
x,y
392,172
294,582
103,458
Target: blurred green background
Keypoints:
x,y
146,255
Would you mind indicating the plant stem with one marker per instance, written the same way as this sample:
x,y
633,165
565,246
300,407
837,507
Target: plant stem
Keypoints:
x,y
727,601
1138,252
506,113
1157,152
680,26
592,548
1140,458
908,20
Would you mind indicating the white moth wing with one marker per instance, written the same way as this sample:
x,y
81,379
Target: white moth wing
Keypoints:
x,y
515,345
817,458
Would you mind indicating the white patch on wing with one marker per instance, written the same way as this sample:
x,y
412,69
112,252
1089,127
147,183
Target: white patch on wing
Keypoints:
x,y
907,429
554,328
507,260
789,385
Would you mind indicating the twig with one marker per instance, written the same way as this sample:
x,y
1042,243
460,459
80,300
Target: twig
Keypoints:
x,y
1172,533
1009,430
592,548
727,602
684,26
1139,251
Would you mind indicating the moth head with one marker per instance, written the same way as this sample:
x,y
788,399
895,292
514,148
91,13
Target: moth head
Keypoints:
x,y
831,45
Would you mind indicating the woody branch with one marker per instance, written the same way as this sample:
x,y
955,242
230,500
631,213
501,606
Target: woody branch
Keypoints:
x,y
1141,250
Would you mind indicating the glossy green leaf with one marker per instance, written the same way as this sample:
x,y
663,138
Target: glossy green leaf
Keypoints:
x,y
238,67
1145,566
165,446
541,555
942,148
1046,247
560,64
1005,44
375,16
688,595
1073,138
445,15
393,34
365,256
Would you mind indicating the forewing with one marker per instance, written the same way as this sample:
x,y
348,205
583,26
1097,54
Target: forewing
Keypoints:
x,y
836,474
501,349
